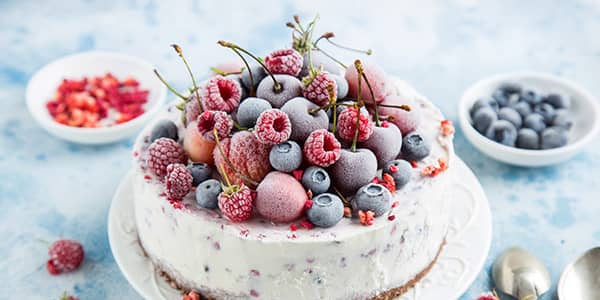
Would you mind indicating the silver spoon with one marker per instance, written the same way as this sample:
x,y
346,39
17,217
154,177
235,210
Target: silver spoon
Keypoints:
x,y
581,279
518,273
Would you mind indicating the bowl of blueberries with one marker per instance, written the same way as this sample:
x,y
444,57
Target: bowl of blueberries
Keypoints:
x,y
528,119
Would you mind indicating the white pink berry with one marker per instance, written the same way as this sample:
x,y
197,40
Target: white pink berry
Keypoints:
x,y
273,127
316,89
284,61
347,122
210,120
322,148
163,152
221,93
236,203
64,256
178,181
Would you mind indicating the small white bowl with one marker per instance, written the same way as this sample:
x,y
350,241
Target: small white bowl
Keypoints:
x,y
43,84
585,111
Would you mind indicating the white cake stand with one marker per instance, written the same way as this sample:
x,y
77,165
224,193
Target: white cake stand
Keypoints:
x,y
468,243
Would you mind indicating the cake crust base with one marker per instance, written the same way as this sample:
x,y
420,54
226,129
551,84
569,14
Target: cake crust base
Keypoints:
x,y
387,295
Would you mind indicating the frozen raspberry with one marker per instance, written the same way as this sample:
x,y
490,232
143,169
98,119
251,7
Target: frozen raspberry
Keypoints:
x,y
315,88
322,148
178,181
285,61
64,256
236,203
214,119
273,127
247,154
377,78
162,153
221,93
347,125
488,296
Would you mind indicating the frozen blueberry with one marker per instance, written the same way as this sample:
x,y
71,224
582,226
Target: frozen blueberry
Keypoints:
x,y
553,137
546,110
258,74
200,172
303,121
484,118
534,121
511,115
326,210
509,88
530,97
374,197
501,98
207,193
401,171
164,128
523,108
286,157
562,118
528,138
558,101
250,109
342,86
483,102
415,147
503,132
316,180
290,87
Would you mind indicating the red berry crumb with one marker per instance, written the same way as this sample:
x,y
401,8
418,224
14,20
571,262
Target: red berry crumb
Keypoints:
x,y
221,93
273,127
64,256
347,212
321,148
366,218
163,152
393,169
191,295
236,204
316,90
178,181
488,296
307,224
298,174
447,127
414,164
285,61
391,217
347,125
308,204
213,119
389,183
293,227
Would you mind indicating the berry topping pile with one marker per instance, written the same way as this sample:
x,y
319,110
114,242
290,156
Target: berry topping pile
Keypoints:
x,y
522,118
296,137
97,101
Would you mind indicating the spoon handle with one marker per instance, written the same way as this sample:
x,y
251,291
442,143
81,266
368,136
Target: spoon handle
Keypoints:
x,y
529,297
526,289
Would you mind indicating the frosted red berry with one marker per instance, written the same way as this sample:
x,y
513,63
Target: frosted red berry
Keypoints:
x,y
214,119
285,61
178,181
322,148
221,93
488,296
236,205
163,152
347,125
64,256
316,90
273,127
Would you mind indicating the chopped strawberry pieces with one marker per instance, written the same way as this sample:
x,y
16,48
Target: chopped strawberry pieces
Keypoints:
x,y
87,102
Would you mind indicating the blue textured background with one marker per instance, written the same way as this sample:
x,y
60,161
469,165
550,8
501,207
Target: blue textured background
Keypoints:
x,y
50,188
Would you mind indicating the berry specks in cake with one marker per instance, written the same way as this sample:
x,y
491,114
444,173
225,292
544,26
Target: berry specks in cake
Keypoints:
x,y
254,293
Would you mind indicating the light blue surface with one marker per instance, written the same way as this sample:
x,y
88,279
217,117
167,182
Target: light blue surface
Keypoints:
x,y
50,188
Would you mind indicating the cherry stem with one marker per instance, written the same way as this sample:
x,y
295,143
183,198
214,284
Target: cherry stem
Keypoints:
x,y
225,175
252,92
361,72
344,200
332,102
185,99
223,73
187,66
330,56
367,52
277,87
229,164
238,126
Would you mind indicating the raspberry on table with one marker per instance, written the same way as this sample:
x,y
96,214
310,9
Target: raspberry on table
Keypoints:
x,y
64,256
178,181
273,127
284,61
236,205
322,148
347,125
316,90
214,119
221,93
162,153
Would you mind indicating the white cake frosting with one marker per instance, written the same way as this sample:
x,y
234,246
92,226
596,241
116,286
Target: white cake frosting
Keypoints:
x,y
200,249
